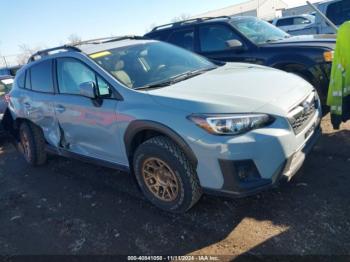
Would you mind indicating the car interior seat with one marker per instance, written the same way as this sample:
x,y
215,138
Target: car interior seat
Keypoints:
x,y
121,75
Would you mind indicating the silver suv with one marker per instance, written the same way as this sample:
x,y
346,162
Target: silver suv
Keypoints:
x,y
181,124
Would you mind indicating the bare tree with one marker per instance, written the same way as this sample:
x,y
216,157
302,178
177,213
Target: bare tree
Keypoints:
x,y
74,39
3,61
150,27
26,52
180,18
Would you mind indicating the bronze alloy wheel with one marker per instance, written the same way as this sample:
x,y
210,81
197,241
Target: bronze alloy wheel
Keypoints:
x,y
25,145
160,179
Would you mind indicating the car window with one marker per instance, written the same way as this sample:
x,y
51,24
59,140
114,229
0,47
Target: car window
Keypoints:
x,y
140,65
28,84
339,12
71,73
161,35
257,30
41,77
14,70
21,79
183,38
103,87
301,21
285,22
215,37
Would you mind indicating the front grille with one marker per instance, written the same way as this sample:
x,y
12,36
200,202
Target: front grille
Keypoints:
x,y
301,115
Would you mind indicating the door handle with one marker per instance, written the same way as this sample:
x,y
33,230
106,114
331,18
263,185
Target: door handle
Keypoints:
x,y
27,105
60,108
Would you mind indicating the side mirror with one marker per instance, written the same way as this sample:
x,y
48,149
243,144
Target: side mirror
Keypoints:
x,y
234,44
88,89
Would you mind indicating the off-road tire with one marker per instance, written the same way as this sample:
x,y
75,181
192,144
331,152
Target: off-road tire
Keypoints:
x,y
34,153
166,150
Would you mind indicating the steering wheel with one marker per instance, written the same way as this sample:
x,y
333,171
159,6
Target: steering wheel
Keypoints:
x,y
158,71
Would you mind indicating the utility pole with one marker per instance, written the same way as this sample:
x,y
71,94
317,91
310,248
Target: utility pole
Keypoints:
x,y
5,62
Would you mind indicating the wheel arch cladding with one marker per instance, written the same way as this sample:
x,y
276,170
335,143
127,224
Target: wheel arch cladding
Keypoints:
x,y
139,131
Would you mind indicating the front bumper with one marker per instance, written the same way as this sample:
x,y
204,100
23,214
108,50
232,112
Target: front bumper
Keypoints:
x,y
269,154
234,188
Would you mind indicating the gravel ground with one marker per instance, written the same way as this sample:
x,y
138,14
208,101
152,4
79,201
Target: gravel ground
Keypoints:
x,y
70,207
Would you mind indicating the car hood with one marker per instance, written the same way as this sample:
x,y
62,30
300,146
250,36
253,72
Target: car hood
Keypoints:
x,y
235,88
327,41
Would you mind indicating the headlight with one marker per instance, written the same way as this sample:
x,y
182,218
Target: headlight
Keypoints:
x,y
328,56
232,124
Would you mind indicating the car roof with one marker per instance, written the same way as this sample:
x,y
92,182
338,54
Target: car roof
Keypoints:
x,y
292,16
91,48
188,22
195,21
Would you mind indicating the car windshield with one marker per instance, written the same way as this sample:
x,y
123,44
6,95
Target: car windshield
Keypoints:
x,y
258,31
151,64
5,86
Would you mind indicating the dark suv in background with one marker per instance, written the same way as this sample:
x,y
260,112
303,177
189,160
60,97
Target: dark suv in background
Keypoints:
x,y
252,40
9,71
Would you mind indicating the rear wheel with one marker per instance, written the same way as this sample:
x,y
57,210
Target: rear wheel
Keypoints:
x,y
32,144
166,176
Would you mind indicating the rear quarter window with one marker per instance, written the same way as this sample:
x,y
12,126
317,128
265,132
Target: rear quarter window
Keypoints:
x,y
20,79
160,36
183,38
41,77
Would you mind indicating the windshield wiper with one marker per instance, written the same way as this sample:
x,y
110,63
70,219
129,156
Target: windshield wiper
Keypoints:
x,y
176,78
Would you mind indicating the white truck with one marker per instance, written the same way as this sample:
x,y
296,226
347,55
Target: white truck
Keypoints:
x,y
338,11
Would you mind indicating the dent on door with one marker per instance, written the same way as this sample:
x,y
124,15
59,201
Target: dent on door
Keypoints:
x,y
40,111
87,128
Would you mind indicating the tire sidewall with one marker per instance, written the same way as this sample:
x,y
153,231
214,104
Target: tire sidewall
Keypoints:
x,y
184,196
25,129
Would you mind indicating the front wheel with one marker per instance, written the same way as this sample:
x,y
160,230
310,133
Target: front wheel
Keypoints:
x,y
166,176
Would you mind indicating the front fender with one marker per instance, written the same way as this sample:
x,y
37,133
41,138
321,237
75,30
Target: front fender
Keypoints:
x,y
138,126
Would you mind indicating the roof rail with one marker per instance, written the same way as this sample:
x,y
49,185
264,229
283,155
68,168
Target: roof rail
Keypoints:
x,y
46,52
108,39
193,20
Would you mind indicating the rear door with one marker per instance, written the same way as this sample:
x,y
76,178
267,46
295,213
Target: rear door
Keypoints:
x,y
37,98
87,126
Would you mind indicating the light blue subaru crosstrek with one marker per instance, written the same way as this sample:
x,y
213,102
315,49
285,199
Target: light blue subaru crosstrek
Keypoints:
x,y
178,122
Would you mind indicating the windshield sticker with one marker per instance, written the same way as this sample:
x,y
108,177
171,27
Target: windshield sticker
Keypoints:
x,y
100,54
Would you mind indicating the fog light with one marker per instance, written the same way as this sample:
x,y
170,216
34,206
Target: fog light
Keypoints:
x,y
246,171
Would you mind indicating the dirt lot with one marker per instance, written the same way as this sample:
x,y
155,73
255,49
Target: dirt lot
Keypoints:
x,y
69,207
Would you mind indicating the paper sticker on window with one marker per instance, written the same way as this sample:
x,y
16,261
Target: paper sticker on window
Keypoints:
x,y
100,54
